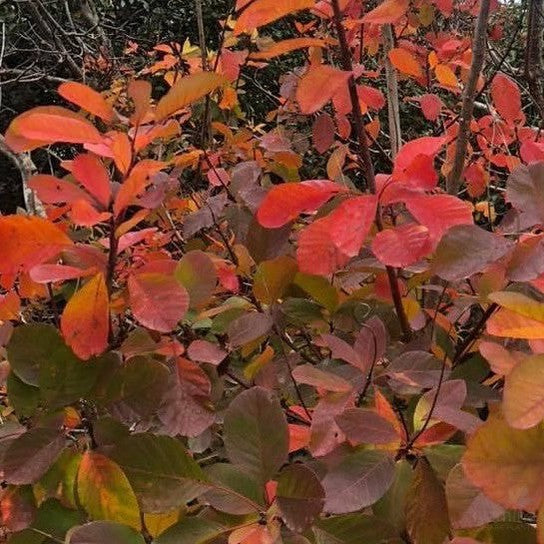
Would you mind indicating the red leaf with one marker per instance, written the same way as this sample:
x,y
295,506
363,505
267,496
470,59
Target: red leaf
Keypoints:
x,y
88,99
403,245
49,273
85,214
53,190
286,202
331,241
186,407
414,162
91,173
439,213
323,133
206,352
366,427
507,98
388,11
431,105
158,301
28,241
318,86
85,320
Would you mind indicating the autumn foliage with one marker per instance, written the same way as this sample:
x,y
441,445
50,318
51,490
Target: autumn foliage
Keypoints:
x,y
205,344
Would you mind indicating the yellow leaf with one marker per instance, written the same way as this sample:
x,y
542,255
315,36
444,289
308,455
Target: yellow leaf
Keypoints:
x,y
186,91
445,75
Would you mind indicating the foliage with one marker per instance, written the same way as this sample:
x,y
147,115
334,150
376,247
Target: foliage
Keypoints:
x,y
205,345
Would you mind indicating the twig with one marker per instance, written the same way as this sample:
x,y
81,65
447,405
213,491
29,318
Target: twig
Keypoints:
x,y
478,53
364,153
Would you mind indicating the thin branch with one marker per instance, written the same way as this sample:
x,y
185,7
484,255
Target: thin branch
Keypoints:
x,y
364,153
393,110
478,54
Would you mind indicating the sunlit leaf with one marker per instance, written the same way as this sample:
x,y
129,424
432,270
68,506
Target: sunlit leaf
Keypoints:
x,y
318,86
88,99
187,90
85,319
105,492
27,241
262,12
285,202
507,463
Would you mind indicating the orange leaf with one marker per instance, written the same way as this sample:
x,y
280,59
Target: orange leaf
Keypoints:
x,y
27,241
122,151
318,86
262,12
52,190
88,99
388,11
85,320
10,304
286,46
48,127
405,62
445,75
140,93
186,91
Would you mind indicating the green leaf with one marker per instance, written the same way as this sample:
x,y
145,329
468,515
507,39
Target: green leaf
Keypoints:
x,y
39,357
105,492
319,289
354,529
162,474
359,480
505,532
24,398
300,497
427,520
139,385
28,457
273,277
60,480
32,346
244,494
103,532
50,525
391,507
255,433
196,272
191,530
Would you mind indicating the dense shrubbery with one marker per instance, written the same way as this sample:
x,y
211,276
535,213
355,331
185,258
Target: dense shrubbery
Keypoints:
x,y
325,327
